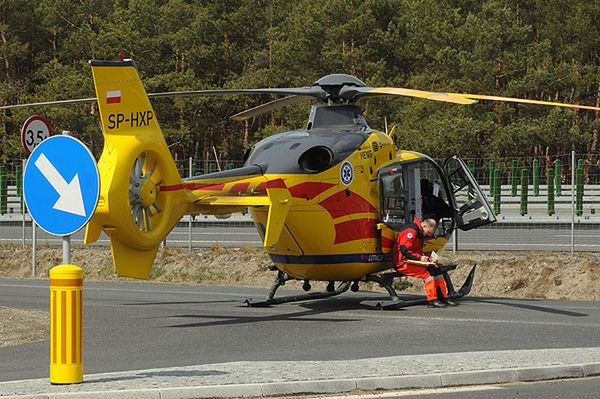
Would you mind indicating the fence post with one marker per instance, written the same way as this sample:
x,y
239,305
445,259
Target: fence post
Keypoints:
x,y
579,189
513,178
471,167
19,180
558,177
580,165
536,178
195,169
524,190
497,189
3,191
550,181
491,168
455,240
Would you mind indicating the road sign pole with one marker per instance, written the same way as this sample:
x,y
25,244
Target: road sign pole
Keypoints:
x,y
23,205
66,250
33,248
572,202
191,218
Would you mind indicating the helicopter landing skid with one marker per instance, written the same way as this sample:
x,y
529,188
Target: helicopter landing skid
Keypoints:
x,y
281,279
395,302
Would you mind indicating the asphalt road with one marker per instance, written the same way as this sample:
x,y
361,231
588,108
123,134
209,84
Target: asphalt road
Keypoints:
x,y
505,236
131,326
587,388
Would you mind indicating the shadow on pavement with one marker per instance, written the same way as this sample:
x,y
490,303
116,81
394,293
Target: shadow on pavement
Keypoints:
x,y
521,305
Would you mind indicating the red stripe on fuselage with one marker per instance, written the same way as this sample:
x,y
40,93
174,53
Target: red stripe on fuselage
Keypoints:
x,y
277,183
309,190
239,188
341,204
193,186
260,188
355,230
174,187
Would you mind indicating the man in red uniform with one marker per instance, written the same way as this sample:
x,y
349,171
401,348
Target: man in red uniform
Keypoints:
x,y
409,247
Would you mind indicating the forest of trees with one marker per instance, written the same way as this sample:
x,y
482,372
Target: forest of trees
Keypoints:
x,y
537,49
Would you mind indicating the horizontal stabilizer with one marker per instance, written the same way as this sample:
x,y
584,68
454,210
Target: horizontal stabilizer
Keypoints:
x,y
280,200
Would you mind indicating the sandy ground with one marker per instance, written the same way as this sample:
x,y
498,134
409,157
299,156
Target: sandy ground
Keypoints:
x,y
550,275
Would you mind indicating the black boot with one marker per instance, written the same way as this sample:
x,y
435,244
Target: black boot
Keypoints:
x,y
450,302
436,304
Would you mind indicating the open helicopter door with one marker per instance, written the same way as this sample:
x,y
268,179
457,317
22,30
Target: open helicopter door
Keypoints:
x,y
472,208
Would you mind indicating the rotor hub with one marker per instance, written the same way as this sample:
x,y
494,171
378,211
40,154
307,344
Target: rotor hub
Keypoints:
x,y
143,190
332,84
135,190
339,79
147,192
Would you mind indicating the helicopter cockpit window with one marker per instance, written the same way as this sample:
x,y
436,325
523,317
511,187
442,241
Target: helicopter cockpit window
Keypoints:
x,y
417,191
393,195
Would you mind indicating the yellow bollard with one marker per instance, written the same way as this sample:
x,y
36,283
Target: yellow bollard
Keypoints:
x,y
66,324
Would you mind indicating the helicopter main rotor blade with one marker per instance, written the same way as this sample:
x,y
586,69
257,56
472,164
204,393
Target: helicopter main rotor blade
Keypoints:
x,y
314,91
58,102
268,107
351,92
523,101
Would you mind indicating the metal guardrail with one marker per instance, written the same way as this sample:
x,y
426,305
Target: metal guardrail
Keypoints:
x,y
510,207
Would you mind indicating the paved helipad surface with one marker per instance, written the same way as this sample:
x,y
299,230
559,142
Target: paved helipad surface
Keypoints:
x,y
255,379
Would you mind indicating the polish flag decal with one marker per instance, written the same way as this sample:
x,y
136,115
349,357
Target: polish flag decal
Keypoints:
x,y
113,97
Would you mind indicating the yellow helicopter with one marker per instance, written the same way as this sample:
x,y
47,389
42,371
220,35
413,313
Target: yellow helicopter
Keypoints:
x,y
326,199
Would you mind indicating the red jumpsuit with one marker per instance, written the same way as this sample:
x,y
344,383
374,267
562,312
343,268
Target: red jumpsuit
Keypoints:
x,y
409,246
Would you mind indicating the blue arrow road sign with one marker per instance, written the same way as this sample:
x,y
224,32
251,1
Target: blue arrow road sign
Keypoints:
x,y
61,185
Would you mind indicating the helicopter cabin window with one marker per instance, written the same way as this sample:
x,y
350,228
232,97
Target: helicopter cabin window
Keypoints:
x,y
393,206
414,189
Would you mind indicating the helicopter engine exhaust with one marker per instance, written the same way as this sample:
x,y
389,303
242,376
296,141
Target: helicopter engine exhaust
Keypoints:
x,y
316,159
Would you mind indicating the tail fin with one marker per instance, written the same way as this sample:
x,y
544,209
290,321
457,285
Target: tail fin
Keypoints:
x,y
135,162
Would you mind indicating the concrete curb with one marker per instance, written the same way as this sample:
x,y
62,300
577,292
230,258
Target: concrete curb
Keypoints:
x,y
481,377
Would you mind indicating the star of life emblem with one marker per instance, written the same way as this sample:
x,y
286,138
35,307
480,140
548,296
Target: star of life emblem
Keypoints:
x,y
346,173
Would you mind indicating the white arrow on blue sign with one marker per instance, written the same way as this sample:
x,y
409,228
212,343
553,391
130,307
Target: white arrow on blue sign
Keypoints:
x,y
61,185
